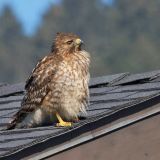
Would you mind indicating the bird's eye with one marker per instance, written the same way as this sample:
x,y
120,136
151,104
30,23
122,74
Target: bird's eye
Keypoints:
x,y
69,42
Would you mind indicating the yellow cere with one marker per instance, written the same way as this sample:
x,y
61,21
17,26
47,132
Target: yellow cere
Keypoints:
x,y
78,41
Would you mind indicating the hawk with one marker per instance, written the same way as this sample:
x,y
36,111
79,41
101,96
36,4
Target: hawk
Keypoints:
x,y
57,89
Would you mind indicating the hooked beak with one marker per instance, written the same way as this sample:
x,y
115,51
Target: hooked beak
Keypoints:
x,y
78,42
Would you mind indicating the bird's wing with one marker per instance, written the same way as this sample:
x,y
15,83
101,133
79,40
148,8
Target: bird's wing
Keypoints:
x,y
37,87
37,84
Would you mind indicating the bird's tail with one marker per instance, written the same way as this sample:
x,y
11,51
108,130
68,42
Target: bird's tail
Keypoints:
x,y
12,124
17,118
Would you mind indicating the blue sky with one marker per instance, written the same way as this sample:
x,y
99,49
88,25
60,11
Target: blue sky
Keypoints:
x,y
29,12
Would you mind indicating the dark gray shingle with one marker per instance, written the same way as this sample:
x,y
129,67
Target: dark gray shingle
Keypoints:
x,y
109,95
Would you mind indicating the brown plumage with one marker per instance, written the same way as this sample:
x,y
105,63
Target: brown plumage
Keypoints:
x,y
57,89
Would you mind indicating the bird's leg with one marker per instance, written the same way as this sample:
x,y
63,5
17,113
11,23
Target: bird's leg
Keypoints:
x,y
61,122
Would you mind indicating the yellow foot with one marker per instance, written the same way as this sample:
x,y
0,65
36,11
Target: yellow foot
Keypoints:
x,y
64,124
61,122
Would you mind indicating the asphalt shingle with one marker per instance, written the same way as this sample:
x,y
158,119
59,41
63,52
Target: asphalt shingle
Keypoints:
x,y
141,78
11,89
106,79
109,94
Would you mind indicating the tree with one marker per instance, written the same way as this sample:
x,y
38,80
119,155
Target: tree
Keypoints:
x,y
124,36
13,49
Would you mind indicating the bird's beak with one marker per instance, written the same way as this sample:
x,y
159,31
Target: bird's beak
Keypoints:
x,y
78,42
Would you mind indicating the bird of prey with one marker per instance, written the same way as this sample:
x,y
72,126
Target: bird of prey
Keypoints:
x,y
57,89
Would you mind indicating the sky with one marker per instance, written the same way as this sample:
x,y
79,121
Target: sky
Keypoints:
x,y
29,12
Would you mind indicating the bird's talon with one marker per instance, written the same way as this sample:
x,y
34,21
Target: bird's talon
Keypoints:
x,y
64,124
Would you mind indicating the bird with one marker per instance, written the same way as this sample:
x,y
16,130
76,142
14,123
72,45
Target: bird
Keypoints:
x,y
57,89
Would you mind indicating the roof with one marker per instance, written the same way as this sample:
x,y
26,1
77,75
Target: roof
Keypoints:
x,y
111,97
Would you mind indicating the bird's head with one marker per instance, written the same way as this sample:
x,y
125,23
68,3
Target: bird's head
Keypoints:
x,y
67,42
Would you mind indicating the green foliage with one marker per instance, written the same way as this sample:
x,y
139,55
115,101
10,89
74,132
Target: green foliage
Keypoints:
x,y
14,49
124,37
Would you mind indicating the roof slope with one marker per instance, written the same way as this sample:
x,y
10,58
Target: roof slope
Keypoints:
x,y
109,95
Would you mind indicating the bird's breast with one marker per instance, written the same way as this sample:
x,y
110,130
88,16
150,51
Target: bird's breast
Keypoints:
x,y
73,75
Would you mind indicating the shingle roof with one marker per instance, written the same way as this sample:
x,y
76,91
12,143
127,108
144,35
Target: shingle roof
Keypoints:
x,y
109,95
